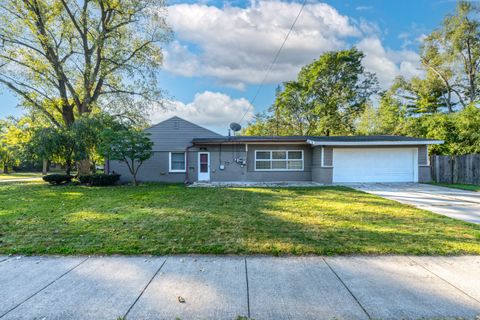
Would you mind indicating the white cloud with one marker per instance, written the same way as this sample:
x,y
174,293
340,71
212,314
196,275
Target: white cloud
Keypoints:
x,y
386,63
213,110
236,45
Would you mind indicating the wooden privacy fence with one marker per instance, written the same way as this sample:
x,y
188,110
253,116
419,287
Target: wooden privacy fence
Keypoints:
x,y
456,169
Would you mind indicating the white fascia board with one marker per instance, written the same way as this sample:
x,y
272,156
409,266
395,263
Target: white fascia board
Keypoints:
x,y
374,143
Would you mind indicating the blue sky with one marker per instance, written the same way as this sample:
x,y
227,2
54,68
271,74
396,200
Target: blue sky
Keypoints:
x,y
221,49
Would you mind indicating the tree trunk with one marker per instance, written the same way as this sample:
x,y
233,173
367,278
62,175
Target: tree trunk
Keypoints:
x,y
45,167
5,169
68,166
83,167
135,182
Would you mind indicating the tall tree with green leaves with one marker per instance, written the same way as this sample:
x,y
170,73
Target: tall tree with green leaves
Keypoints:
x,y
66,59
55,144
327,97
63,58
452,54
14,135
338,88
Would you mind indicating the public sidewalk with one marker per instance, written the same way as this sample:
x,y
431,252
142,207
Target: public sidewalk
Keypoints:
x,y
227,287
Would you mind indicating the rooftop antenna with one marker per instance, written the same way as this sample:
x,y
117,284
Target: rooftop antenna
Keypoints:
x,y
235,127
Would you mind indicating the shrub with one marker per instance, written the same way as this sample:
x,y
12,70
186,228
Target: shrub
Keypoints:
x,y
57,178
84,179
99,179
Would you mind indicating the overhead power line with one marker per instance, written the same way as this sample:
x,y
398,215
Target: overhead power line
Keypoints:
x,y
260,86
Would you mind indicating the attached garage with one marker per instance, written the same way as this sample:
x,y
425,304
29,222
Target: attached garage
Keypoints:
x,y
375,165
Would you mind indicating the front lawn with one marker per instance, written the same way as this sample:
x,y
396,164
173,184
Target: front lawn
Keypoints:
x,y
470,187
162,219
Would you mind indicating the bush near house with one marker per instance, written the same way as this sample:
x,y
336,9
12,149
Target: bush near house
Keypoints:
x,y
99,179
57,179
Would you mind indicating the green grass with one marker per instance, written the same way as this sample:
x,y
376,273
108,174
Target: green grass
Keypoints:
x,y
20,175
161,219
470,187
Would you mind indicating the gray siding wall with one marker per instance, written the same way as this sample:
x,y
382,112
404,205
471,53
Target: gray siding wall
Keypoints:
x,y
220,155
154,169
233,171
174,134
423,156
322,174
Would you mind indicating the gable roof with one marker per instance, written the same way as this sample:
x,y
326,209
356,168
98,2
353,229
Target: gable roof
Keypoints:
x,y
189,122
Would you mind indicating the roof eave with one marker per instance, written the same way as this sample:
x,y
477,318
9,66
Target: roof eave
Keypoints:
x,y
374,143
251,142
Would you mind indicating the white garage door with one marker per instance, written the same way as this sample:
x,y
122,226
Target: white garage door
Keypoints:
x,y
375,165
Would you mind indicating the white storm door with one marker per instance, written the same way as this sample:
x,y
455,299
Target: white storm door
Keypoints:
x,y
204,166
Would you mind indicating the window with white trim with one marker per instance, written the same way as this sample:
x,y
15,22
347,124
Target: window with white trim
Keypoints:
x,y
177,162
279,160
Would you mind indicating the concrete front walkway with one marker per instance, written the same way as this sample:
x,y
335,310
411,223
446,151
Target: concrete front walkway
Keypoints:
x,y
20,179
455,203
226,287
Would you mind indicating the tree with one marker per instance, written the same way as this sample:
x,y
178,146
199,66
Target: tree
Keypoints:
x,y
262,125
56,144
294,110
419,95
327,97
339,89
86,138
62,57
13,137
391,115
452,54
467,123
388,118
129,146
8,154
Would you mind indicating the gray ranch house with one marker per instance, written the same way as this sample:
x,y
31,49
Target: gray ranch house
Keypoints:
x,y
186,152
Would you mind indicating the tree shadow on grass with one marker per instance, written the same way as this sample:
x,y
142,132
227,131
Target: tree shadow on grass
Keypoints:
x,y
158,219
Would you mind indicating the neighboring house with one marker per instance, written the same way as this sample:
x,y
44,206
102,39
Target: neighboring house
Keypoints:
x,y
186,152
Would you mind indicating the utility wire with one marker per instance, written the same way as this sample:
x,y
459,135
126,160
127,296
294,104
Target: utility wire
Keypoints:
x,y
259,88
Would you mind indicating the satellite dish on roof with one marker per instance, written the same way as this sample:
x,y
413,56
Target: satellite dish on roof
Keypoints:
x,y
235,127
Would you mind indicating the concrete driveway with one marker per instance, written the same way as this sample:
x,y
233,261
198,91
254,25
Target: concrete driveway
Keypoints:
x,y
455,203
226,287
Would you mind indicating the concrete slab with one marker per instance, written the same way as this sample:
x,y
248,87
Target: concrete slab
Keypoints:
x,y
462,272
20,180
298,288
22,277
213,288
100,288
458,204
246,184
395,287
465,213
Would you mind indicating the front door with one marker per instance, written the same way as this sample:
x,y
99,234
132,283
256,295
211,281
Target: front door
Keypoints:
x,y
204,166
